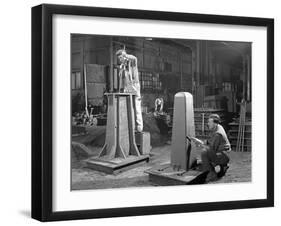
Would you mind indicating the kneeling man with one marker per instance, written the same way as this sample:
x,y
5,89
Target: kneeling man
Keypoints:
x,y
216,150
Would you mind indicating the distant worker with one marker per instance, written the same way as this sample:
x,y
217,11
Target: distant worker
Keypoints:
x,y
159,102
130,80
216,150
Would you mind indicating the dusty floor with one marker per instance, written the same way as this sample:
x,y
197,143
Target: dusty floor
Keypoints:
x,y
85,178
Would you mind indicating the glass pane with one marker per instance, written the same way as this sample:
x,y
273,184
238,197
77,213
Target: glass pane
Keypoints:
x,y
72,80
78,80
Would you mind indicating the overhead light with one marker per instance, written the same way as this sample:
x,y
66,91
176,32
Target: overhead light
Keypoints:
x,y
148,39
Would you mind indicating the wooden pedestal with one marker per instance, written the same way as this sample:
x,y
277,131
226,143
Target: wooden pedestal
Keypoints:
x,y
120,149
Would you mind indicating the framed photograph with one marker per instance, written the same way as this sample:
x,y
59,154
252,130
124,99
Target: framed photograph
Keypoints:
x,y
146,112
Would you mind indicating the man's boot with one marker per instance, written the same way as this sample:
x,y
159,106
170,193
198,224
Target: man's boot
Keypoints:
x,y
212,176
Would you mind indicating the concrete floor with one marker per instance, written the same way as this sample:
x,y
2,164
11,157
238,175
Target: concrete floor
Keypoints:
x,y
85,178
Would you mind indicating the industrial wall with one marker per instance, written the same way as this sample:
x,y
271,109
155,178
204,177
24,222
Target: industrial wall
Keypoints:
x,y
164,69
217,73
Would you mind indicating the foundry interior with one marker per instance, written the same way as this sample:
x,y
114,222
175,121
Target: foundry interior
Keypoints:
x,y
217,74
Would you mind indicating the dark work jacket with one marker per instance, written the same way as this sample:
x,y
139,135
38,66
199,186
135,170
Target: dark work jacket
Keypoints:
x,y
218,142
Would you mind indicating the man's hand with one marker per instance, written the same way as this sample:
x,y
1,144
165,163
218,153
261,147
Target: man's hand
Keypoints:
x,y
197,141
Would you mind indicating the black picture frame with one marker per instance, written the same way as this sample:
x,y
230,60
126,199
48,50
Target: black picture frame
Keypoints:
x,y
42,108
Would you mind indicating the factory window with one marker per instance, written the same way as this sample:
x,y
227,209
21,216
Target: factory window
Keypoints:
x,y
146,80
150,81
157,85
76,80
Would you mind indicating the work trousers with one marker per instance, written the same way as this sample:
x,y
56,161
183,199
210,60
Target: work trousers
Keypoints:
x,y
210,159
133,87
139,121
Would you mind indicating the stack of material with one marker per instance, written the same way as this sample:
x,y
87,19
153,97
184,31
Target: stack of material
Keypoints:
x,y
201,116
233,136
240,133
241,129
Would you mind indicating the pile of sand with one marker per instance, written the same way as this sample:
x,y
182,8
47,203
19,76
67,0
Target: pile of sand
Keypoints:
x,y
85,145
95,136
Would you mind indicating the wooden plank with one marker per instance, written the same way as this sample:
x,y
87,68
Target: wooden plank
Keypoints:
x,y
111,129
123,125
96,73
116,165
96,90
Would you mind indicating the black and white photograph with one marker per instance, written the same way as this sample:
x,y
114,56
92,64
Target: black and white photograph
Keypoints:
x,y
142,112
150,111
